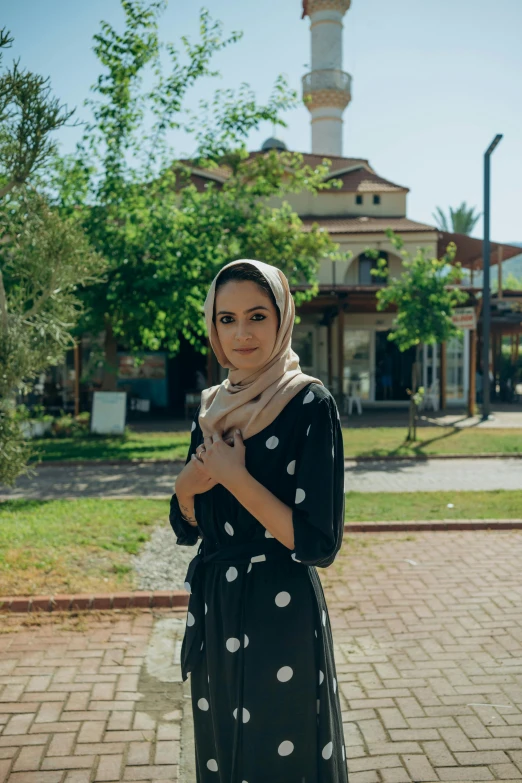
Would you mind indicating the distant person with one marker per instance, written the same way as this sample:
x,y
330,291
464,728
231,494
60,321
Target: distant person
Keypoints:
x,y
387,375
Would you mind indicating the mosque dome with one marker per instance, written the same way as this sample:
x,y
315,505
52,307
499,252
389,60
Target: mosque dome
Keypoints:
x,y
273,144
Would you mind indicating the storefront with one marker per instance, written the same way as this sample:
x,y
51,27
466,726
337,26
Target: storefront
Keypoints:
x,y
373,365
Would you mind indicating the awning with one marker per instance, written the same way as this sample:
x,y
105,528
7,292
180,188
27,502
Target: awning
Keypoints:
x,y
469,249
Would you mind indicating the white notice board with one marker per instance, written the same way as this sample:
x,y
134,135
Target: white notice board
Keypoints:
x,y
108,413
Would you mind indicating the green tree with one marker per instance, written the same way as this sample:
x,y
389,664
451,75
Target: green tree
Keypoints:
x,y
44,258
165,239
462,219
425,296
511,283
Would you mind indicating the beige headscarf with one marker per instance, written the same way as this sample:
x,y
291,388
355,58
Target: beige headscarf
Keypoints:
x,y
249,400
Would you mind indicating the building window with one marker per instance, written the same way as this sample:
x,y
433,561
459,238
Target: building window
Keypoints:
x,y
366,264
358,199
376,199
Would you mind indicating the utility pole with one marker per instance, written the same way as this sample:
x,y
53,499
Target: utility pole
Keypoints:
x,y
486,297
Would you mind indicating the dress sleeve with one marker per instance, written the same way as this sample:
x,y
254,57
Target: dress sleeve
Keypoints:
x,y
186,533
318,507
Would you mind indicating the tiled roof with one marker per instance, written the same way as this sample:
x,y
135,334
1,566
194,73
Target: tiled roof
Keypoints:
x,y
361,180
337,164
365,225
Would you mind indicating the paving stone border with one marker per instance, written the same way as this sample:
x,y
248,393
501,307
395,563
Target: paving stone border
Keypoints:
x,y
171,599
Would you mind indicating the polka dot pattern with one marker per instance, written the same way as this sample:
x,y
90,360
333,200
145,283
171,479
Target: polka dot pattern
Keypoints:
x,y
233,644
297,469
327,750
283,598
246,715
285,673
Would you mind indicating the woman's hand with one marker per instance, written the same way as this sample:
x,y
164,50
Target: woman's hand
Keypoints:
x,y
221,462
193,480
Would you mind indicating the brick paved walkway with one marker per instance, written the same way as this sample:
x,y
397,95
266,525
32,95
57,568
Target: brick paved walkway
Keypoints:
x,y
428,645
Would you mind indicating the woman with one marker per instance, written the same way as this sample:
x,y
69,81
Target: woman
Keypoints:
x,y
263,485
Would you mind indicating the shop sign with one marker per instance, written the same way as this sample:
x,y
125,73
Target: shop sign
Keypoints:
x,y
464,318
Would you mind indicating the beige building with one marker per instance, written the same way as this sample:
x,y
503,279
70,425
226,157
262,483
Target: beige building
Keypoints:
x,y
341,337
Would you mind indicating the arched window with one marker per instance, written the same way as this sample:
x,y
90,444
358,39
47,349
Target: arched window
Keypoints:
x,y
366,264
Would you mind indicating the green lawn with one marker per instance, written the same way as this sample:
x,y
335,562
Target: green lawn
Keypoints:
x,y
72,546
363,442
406,506
85,545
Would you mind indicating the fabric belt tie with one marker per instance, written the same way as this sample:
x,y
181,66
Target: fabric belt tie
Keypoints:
x,y
238,554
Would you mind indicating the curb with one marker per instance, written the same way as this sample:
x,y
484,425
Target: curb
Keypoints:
x,y
85,463
427,457
436,524
164,599
171,599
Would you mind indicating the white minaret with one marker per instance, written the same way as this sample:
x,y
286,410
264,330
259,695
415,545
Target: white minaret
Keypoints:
x,y
327,85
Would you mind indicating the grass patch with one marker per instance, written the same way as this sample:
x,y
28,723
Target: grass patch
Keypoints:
x,y
358,442
73,546
146,445
406,506
390,441
85,545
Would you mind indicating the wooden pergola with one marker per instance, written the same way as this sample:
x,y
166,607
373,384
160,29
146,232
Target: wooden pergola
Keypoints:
x,y
470,255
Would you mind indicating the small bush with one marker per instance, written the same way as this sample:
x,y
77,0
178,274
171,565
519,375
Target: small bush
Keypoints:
x,y
69,426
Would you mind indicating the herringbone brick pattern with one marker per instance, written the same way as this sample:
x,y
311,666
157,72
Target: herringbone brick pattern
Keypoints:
x,y
428,632
78,706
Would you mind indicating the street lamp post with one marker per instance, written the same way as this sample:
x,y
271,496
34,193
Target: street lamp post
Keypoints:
x,y
486,298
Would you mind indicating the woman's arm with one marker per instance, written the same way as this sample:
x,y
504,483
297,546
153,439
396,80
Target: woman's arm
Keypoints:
x,y
186,502
273,514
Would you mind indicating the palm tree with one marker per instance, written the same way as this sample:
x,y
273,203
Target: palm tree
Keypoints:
x,y
462,219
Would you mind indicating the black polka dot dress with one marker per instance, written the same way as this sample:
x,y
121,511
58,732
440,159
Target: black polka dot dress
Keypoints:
x,y
258,642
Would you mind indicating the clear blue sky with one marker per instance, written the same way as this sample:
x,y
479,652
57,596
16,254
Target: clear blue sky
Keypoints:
x,y
433,83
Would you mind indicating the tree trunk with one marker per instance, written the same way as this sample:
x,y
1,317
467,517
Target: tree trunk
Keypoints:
x,y
412,426
110,365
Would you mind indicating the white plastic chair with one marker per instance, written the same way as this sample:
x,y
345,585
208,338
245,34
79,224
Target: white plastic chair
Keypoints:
x,y
432,396
353,396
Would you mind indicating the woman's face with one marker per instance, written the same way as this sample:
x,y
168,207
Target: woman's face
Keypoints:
x,y
245,318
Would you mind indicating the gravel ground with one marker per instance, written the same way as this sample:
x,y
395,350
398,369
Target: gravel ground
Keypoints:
x,y
162,564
